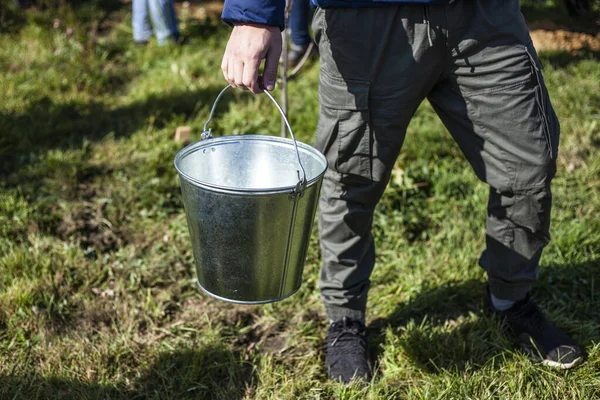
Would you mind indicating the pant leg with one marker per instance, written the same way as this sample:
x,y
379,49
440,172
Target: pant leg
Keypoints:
x,y
164,20
376,67
140,21
494,102
299,22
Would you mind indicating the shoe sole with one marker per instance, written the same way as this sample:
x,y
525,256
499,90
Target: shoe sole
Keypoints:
x,y
562,366
532,355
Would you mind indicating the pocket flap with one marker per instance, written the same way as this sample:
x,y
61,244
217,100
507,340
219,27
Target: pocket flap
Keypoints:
x,y
343,94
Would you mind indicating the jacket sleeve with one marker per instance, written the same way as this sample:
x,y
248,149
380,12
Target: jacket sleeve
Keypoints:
x,y
265,12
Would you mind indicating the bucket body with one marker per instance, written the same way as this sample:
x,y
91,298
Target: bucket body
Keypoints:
x,y
249,224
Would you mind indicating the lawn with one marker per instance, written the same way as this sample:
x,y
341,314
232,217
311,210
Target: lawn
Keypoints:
x,y
97,291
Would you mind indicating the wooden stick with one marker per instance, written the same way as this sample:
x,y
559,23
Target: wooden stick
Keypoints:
x,y
284,66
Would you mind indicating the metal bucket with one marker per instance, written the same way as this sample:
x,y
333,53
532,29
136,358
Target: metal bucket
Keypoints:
x,y
250,202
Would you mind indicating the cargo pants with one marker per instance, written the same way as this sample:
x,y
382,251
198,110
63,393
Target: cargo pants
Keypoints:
x,y
474,61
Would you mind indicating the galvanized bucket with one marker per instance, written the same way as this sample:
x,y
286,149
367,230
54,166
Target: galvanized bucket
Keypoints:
x,y
250,202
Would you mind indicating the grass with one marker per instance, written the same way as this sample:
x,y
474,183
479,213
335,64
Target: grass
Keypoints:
x,y
97,298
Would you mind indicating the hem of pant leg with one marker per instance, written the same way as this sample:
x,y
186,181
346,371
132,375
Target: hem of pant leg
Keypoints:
x,y
335,313
167,40
142,38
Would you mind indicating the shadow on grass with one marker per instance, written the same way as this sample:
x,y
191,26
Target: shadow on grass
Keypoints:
x,y
46,125
435,335
88,13
211,372
12,19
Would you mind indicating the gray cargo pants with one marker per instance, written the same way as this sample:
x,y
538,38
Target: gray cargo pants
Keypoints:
x,y
474,61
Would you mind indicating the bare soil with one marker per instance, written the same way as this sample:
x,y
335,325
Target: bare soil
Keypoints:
x,y
549,36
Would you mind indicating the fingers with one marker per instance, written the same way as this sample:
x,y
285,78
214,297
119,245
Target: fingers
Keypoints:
x,y
235,70
227,66
270,72
232,65
224,66
250,75
246,48
238,72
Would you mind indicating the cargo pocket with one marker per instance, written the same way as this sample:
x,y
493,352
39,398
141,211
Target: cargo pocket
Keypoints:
x,y
343,132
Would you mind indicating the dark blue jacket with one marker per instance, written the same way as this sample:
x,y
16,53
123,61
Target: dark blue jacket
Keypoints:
x,y
271,12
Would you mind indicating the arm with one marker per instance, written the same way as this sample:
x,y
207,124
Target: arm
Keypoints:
x,y
256,35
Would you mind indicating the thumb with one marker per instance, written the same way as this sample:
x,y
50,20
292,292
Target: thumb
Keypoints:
x,y
270,72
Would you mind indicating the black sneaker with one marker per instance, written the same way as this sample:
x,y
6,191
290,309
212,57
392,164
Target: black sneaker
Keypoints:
x,y
346,351
538,337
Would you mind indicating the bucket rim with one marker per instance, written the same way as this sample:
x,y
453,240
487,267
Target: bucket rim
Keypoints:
x,y
193,147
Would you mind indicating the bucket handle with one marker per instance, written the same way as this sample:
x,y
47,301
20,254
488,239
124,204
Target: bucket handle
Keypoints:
x,y
207,134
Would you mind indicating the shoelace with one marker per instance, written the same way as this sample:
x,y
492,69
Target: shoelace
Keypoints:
x,y
348,332
532,314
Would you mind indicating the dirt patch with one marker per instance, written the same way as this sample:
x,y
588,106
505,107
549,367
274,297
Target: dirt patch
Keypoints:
x,y
548,36
275,344
87,224
96,319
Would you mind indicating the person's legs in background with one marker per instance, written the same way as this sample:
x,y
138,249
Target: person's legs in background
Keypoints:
x,y
299,27
140,21
154,15
164,20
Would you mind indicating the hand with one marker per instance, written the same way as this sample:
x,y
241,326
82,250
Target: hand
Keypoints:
x,y
247,46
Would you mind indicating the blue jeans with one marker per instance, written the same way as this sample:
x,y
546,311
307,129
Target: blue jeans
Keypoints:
x,y
299,22
157,15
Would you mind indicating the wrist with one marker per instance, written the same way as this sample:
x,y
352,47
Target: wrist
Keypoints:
x,y
253,25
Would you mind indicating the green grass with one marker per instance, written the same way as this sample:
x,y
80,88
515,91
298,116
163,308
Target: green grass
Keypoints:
x,y
97,298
